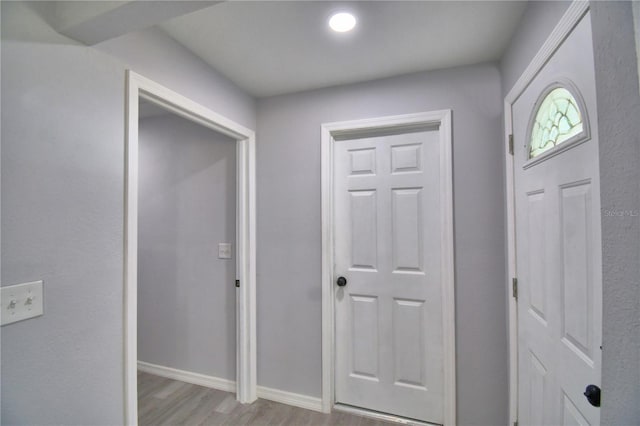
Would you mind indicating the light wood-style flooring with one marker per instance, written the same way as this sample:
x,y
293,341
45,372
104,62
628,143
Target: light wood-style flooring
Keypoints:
x,y
164,401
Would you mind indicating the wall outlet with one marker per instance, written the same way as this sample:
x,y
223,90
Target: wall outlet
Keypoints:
x,y
21,302
224,251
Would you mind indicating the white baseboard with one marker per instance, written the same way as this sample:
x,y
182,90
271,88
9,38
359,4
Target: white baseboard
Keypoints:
x,y
283,397
290,398
188,377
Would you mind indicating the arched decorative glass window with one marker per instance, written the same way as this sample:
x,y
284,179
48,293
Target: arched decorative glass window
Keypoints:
x,y
558,118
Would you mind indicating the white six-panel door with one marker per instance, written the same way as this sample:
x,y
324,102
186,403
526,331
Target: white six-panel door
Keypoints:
x,y
388,317
559,251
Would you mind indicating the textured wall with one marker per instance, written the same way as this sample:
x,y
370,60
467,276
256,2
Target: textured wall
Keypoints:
x,y
619,134
62,210
157,56
62,221
186,295
538,20
289,227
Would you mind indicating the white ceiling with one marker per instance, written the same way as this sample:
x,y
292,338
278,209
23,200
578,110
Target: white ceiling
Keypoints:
x,y
275,47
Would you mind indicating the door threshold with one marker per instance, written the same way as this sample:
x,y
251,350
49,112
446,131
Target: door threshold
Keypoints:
x,y
381,416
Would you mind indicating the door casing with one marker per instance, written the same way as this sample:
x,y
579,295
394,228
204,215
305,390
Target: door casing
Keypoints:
x,y
332,133
137,87
565,26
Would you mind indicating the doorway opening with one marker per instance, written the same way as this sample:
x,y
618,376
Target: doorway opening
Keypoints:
x,y
240,227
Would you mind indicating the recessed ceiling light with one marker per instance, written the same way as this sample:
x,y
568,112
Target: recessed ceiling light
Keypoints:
x,y
342,22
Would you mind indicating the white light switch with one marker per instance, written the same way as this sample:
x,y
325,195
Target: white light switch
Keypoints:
x,y
21,302
224,251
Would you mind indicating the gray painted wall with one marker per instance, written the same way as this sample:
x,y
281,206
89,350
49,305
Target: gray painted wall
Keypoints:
x,y
186,295
62,212
289,227
157,56
538,20
619,135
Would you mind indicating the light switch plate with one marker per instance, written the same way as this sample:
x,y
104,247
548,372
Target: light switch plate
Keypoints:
x,y
21,302
224,251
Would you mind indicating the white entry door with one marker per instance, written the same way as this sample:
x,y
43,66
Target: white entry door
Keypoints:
x,y
388,313
557,192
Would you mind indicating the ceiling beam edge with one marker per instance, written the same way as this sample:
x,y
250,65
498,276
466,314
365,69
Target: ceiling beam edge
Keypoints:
x,y
104,23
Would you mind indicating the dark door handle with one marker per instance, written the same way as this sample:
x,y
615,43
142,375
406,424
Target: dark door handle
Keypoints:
x,y
592,392
342,281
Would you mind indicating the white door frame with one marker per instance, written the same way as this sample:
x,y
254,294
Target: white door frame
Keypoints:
x,y
565,26
137,87
334,132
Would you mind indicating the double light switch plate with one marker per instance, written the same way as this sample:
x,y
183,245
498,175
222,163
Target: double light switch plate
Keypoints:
x,y
21,302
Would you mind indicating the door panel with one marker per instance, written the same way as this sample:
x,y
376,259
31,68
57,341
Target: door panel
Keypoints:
x,y
364,229
538,386
577,282
537,273
407,230
389,339
364,333
571,414
409,343
558,251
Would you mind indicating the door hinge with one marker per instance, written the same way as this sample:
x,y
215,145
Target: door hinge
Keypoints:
x,y
514,288
511,144
238,283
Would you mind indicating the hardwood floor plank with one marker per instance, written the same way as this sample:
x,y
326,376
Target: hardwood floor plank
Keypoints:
x,y
148,388
301,417
168,390
274,414
214,418
245,415
318,419
192,401
204,408
227,405
170,402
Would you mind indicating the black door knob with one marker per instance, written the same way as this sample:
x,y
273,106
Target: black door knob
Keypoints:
x,y
592,392
342,281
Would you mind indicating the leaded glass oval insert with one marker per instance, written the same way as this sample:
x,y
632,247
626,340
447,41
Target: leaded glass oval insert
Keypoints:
x,y
557,120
